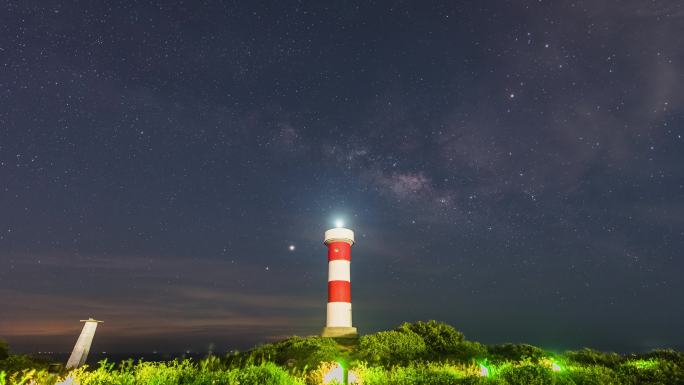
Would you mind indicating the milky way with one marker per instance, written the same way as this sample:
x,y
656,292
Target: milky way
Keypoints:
x,y
513,168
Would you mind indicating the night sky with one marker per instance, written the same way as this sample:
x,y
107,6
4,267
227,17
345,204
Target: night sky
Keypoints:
x,y
513,168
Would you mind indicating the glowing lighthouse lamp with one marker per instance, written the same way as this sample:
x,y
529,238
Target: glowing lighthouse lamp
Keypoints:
x,y
339,316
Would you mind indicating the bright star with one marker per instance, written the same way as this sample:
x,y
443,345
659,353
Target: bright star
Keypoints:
x,y
292,247
339,223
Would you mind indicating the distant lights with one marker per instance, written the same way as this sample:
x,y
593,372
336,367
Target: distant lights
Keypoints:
x,y
292,247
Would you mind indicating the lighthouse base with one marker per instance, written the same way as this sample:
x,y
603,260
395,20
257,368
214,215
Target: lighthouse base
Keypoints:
x,y
339,332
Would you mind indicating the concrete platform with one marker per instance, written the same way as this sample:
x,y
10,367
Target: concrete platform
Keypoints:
x,y
339,332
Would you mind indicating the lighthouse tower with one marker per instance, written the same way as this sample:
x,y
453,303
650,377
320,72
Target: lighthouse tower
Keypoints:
x,y
80,353
338,321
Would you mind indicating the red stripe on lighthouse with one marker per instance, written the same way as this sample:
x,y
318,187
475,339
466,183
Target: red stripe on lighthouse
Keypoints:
x,y
339,291
339,250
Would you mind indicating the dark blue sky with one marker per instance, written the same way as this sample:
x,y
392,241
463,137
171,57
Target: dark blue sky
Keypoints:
x,y
514,168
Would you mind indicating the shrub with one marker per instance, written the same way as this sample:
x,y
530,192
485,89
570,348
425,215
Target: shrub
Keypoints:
x,y
563,378
468,351
16,363
418,374
296,352
439,337
594,357
670,355
527,373
392,347
653,372
515,352
592,375
4,349
264,374
429,340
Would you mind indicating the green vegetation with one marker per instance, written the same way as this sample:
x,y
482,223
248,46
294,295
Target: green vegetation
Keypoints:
x,y
295,352
429,353
4,349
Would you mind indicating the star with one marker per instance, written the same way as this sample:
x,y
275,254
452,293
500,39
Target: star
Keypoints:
x,y
238,138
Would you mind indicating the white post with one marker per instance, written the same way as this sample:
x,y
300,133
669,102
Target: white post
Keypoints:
x,y
80,353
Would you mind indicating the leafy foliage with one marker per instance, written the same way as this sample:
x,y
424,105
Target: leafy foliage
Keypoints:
x,y
515,352
527,373
594,357
653,371
160,373
16,363
425,373
392,347
439,338
420,341
4,349
593,375
426,353
663,354
294,352
468,351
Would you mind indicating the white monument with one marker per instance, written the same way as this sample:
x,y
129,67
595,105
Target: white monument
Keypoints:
x,y
80,354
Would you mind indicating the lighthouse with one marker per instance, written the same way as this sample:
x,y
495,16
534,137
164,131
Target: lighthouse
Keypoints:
x,y
80,353
338,323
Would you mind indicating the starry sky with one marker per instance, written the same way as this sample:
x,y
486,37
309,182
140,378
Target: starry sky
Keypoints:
x,y
513,168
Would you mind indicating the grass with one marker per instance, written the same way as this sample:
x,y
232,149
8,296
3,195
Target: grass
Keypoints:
x,y
213,371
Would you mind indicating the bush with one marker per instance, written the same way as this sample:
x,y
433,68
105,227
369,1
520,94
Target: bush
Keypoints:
x,y
527,373
16,363
4,349
419,374
515,352
652,372
392,347
264,374
439,338
468,351
296,352
670,355
431,340
592,375
594,357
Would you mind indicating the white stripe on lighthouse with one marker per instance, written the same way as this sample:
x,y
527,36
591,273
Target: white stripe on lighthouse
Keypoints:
x,y
339,314
338,270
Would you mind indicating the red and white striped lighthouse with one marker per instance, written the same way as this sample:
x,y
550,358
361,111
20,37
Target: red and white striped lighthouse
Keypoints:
x,y
338,321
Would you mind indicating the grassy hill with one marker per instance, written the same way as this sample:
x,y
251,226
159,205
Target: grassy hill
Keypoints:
x,y
418,353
